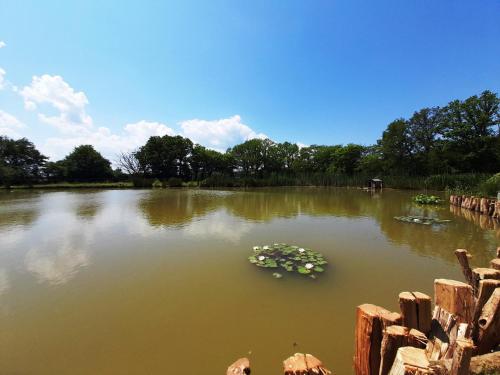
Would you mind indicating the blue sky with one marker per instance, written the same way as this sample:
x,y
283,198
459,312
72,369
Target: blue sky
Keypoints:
x,y
112,73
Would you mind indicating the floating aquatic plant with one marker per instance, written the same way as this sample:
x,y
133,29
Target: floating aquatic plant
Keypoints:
x,y
427,199
421,220
290,258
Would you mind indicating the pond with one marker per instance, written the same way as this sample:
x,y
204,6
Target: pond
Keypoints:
x,y
158,281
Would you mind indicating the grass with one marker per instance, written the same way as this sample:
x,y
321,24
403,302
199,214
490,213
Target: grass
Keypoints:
x,y
78,185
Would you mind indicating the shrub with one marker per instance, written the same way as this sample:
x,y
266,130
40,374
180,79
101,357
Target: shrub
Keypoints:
x,y
491,186
157,184
174,182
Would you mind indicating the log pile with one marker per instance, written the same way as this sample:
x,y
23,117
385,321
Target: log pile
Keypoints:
x,y
486,206
464,326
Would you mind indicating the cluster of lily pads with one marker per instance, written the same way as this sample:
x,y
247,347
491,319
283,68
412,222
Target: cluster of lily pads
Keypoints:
x,y
421,220
427,199
290,258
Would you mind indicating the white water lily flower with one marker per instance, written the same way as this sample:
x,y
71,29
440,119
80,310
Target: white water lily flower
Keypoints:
x,y
301,250
262,257
309,266
266,247
256,247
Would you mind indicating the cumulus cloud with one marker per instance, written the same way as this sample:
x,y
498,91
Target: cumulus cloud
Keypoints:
x,y
107,142
218,134
9,125
74,124
55,92
2,44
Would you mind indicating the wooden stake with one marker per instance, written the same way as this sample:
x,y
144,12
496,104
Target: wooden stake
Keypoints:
x,y
240,367
410,361
495,264
455,297
463,258
461,357
424,313
304,364
486,288
408,306
394,338
479,274
489,324
370,321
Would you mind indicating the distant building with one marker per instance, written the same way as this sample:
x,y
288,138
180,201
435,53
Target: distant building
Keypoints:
x,y
375,183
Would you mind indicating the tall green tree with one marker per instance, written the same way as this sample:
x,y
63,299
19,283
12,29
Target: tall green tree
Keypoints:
x,y
20,162
165,157
396,148
84,164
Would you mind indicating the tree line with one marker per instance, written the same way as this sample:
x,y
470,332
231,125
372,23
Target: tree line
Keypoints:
x,y
461,137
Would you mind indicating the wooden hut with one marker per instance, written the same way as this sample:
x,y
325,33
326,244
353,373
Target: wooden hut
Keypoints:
x,y
375,183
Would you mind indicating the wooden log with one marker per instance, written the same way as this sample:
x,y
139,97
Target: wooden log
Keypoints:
x,y
304,364
395,337
370,322
408,306
498,252
424,312
484,205
461,357
484,364
479,365
489,324
455,297
444,333
486,289
496,212
480,273
240,367
495,264
417,339
463,257
410,361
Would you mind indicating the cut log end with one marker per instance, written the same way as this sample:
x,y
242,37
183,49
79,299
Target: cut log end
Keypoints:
x,y
304,364
240,367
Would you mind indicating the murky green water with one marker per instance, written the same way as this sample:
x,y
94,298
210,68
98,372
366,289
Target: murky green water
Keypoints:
x,y
157,282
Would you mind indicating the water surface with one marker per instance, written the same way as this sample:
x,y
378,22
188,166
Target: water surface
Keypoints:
x,y
157,281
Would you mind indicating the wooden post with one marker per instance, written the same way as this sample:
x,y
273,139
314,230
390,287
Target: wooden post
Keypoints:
x,y
408,306
424,313
495,264
455,297
370,321
461,357
410,361
489,324
479,274
304,364
486,288
240,367
394,338
463,258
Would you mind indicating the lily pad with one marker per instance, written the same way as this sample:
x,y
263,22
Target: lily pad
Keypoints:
x,y
290,258
421,220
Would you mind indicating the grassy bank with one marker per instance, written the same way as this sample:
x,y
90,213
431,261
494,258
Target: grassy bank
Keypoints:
x,y
471,183
77,185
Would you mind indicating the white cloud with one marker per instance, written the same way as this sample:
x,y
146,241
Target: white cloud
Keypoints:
x,y
105,141
2,44
9,125
55,92
218,134
2,78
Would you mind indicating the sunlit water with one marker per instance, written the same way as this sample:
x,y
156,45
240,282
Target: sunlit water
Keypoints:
x,y
158,282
